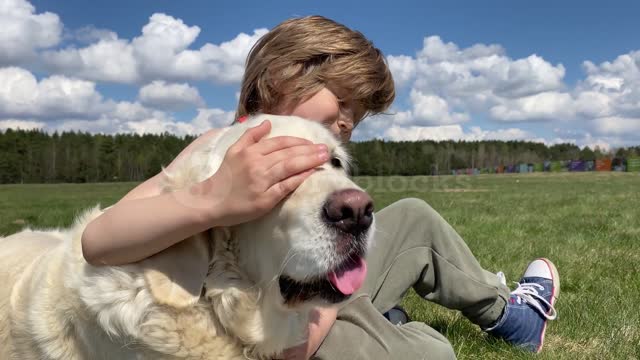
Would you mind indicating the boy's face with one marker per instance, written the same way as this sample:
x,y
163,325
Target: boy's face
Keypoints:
x,y
325,107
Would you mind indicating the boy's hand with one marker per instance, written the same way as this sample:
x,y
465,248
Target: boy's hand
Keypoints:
x,y
257,174
320,322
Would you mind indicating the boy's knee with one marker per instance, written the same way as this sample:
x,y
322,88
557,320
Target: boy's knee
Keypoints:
x,y
435,345
444,352
414,208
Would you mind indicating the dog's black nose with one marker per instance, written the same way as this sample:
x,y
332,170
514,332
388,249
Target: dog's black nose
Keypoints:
x,y
349,210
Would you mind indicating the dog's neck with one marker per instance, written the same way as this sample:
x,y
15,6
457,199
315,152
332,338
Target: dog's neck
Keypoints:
x,y
244,308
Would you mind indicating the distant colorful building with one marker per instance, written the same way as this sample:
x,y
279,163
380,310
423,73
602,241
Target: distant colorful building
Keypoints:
x,y
631,164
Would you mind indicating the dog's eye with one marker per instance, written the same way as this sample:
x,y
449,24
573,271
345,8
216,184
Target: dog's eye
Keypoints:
x,y
336,163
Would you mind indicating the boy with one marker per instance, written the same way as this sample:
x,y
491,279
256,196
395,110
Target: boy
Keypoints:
x,y
321,70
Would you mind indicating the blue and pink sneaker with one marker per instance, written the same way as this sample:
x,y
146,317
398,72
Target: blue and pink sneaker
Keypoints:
x,y
530,306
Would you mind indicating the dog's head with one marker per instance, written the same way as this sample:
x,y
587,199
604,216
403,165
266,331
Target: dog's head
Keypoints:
x,y
312,246
309,250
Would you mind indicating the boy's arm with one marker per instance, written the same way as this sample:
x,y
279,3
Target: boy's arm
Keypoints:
x,y
320,322
146,189
169,220
151,187
139,227
254,176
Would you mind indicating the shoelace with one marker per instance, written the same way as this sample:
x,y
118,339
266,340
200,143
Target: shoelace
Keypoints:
x,y
529,293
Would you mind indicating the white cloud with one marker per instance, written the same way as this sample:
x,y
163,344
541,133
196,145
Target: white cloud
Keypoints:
x,y
593,104
403,68
393,127
107,60
527,77
127,118
475,133
170,96
432,109
482,69
90,34
617,126
604,144
583,138
609,98
105,125
158,126
446,85
212,118
24,31
61,103
160,52
21,124
617,83
427,110
132,111
414,133
450,85
455,132
133,119
65,104
542,106
205,120
477,78
22,95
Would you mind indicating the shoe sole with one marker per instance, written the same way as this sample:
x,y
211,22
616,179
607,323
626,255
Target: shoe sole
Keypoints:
x,y
555,292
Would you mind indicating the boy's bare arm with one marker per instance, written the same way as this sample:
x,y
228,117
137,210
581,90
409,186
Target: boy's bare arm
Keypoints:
x,y
254,176
167,222
151,187
146,189
137,228
320,322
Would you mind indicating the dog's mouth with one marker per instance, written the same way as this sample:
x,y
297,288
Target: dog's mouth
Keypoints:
x,y
348,214
336,286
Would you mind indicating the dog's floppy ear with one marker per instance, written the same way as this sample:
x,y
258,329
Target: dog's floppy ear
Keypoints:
x,y
175,276
233,297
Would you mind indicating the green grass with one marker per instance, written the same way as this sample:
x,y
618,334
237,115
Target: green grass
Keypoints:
x,y
588,224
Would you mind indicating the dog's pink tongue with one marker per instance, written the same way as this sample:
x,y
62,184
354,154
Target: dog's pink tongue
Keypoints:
x,y
349,281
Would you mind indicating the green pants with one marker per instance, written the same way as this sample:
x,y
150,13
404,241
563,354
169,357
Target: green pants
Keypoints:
x,y
413,247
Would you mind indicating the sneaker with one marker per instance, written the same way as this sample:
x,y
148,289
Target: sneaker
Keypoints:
x,y
397,316
530,306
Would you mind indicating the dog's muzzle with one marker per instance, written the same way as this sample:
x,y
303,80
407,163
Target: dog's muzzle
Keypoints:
x,y
349,213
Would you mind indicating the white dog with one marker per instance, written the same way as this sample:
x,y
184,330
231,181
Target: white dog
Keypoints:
x,y
229,293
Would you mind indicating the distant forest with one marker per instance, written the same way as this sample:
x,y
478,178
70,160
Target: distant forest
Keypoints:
x,y
32,156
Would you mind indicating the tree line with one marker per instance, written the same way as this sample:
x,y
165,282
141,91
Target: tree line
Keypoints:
x,y
378,157
37,157
33,156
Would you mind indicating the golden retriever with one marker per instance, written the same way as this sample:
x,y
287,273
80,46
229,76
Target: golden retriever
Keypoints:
x,y
228,293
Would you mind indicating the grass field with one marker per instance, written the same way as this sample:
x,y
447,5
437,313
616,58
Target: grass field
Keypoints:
x,y
587,223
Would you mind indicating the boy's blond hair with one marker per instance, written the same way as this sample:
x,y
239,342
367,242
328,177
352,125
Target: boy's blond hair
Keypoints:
x,y
300,56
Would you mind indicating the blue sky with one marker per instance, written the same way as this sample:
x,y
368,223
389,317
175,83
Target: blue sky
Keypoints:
x,y
543,71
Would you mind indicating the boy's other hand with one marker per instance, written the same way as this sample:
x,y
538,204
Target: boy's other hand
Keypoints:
x,y
257,173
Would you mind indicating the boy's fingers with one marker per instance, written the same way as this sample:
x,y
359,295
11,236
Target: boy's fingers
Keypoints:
x,y
268,146
295,165
254,134
283,188
289,153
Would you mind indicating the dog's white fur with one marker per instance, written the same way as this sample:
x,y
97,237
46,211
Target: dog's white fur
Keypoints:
x,y
53,305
